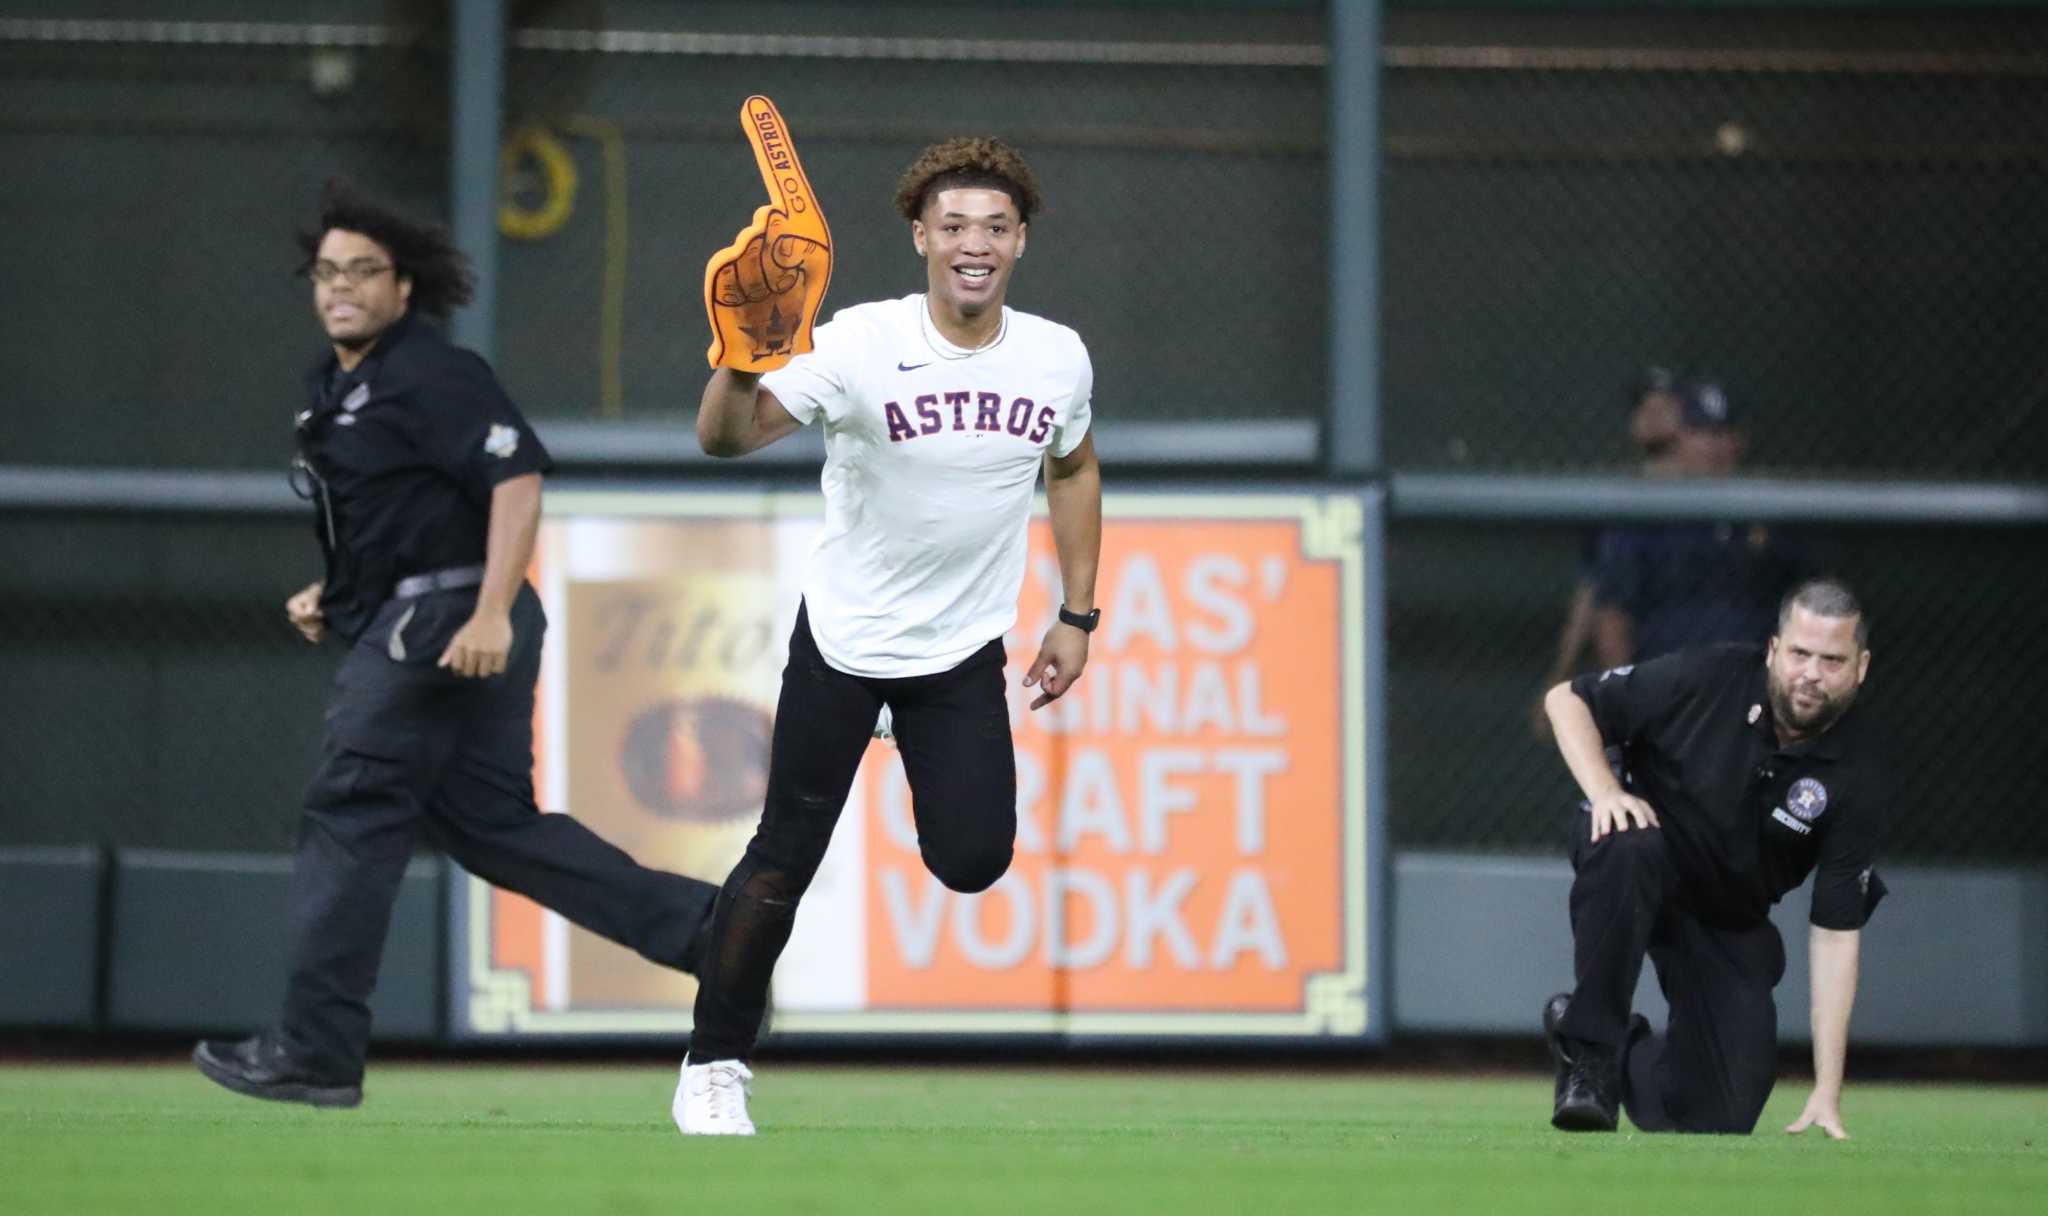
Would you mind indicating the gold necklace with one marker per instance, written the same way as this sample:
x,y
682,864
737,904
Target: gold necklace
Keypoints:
x,y
941,346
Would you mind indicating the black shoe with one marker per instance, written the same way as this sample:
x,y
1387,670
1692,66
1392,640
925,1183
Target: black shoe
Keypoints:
x,y
1588,1097
1588,1093
259,1068
1560,1054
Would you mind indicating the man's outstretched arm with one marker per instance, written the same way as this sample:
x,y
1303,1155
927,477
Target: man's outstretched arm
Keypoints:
x,y
738,416
1835,956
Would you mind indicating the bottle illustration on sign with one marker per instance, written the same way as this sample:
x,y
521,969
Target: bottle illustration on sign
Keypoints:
x,y
697,760
671,688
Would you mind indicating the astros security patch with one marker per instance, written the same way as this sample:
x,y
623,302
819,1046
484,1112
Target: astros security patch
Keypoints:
x,y
1807,799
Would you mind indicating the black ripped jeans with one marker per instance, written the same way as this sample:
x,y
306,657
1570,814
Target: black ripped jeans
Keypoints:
x,y
953,730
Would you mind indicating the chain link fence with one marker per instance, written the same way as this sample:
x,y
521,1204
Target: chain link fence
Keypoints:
x,y
1824,213
158,170
1835,214
167,163
1476,613
1181,163
156,697
1831,213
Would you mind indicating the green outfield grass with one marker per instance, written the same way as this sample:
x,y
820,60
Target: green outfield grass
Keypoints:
x,y
454,1140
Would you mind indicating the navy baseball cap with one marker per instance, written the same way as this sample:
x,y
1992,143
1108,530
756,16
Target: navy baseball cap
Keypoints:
x,y
1704,405
1652,379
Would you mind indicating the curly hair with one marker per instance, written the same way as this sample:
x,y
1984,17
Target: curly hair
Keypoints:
x,y
982,162
441,277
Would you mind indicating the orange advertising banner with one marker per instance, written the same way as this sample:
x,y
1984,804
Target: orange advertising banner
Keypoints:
x,y
1176,843
1190,854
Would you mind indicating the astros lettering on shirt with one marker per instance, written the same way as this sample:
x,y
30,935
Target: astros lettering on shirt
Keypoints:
x,y
932,453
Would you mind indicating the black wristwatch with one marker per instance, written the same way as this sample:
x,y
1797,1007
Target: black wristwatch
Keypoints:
x,y
1083,621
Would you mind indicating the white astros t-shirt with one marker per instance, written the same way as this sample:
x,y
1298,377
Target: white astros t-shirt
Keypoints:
x,y
931,457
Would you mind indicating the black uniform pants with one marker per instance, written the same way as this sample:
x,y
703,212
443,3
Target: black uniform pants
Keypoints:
x,y
1713,1065
953,730
411,747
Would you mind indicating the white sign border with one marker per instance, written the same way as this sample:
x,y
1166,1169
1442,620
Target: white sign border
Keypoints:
x,y
491,1002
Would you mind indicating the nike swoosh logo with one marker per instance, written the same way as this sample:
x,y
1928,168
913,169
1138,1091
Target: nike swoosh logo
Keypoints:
x,y
911,367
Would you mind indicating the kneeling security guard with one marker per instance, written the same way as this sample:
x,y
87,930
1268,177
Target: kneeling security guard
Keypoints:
x,y
1746,769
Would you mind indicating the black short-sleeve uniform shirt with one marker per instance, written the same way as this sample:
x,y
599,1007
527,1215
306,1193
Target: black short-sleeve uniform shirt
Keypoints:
x,y
1746,818
404,452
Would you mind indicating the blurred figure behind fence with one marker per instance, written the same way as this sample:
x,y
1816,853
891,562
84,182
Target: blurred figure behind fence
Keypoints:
x,y
1664,587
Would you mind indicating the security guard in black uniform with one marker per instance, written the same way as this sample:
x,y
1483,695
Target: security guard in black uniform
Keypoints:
x,y
427,487
1745,771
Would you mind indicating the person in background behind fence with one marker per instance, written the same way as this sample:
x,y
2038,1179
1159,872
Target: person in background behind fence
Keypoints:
x,y
1653,419
1746,768
1665,586
427,488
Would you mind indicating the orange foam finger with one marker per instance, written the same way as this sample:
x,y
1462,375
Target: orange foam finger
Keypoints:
x,y
781,172
763,292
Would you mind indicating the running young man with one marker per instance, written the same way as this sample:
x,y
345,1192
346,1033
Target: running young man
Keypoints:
x,y
938,410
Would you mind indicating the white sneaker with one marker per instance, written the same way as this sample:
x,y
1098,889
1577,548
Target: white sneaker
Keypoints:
x,y
711,1099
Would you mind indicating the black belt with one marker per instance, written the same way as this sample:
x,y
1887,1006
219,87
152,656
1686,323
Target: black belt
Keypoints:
x,y
437,580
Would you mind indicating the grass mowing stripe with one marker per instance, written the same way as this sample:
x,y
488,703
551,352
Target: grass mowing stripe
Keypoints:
x,y
553,1139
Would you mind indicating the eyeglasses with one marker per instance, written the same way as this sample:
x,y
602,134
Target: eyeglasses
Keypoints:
x,y
362,270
